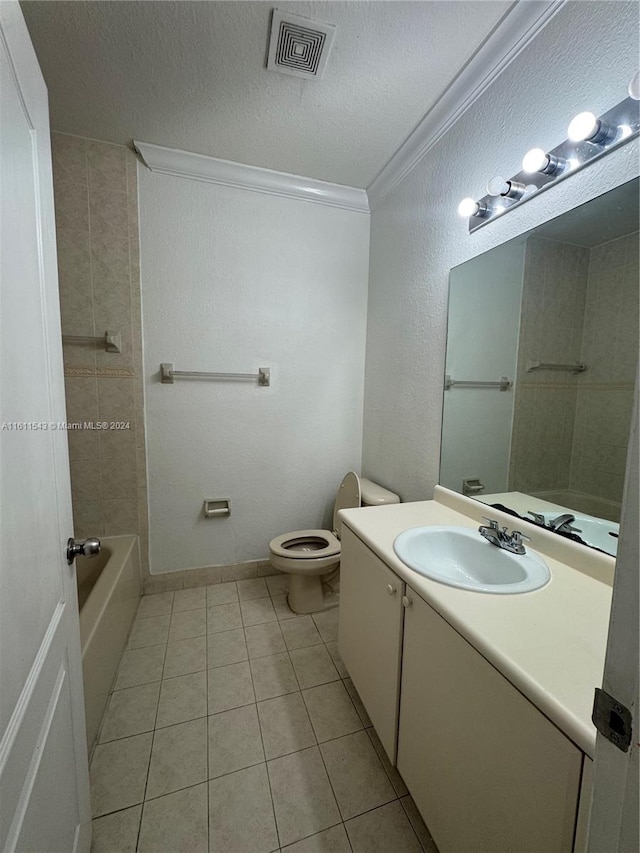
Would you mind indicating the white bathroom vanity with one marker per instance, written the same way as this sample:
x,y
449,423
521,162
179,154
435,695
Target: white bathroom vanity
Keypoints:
x,y
482,701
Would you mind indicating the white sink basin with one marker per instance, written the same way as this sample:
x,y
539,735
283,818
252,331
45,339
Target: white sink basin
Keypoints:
x,y
460,556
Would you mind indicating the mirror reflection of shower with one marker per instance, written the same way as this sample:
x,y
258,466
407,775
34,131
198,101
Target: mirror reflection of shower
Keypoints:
x,y
556,312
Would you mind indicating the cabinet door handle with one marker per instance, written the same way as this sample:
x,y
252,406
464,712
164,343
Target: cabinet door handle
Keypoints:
x,y
391,589
406,601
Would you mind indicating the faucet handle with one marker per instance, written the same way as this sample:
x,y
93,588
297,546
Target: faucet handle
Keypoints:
x,y
517,536
493,524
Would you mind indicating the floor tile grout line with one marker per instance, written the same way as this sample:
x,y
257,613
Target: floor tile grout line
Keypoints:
x,y
266,767
364,729
368,731
264,752
373,809
355,710
313,834
153,738
333,791
293,751
98,739
254,702
140,821
342,822
340,677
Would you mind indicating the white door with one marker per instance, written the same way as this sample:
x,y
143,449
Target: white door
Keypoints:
x,y
615,818
44,788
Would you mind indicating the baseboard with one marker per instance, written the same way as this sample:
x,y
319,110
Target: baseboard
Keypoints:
x,y
204,576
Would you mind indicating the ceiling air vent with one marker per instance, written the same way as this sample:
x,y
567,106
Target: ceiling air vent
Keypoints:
x,y
299,46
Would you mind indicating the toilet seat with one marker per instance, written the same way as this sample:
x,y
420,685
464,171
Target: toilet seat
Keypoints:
x,y
311,558
306,545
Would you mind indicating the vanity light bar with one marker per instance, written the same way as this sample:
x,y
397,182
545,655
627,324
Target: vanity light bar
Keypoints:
x,y
590,137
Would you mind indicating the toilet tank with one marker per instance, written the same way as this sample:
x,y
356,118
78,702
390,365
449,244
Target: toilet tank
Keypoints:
x,y
371,494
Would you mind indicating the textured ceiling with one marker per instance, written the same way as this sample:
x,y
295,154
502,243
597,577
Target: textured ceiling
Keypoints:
x,y
191,75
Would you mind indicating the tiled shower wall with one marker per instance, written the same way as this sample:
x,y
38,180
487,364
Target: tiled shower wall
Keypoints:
x,y
99,272
551,323
571,431
604,400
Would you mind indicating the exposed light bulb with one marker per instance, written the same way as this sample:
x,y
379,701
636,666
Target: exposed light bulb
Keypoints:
x,y
586,127
513,190
634,87
468,207
535,160
583,126
498,186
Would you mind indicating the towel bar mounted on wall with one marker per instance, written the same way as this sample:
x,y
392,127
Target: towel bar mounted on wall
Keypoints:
x,y
111,341
168,374
576,367
503,383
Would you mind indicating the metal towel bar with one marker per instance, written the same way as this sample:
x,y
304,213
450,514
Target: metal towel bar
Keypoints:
x,y
168,374
576,367
111,341
503,383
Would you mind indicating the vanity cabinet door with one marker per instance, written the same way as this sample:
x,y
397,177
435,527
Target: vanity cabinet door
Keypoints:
x,y
487,770
370,639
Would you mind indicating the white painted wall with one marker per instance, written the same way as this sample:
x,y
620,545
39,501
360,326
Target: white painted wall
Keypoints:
x,y
484,305
233,280
417,236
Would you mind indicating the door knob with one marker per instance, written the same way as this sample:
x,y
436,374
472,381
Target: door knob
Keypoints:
x,y
406,601
391,589
86,548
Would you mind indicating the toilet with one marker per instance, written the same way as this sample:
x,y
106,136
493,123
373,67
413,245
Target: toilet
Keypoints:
x,y
312,557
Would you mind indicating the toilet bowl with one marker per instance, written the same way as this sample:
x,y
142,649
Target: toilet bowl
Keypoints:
x,y
312,557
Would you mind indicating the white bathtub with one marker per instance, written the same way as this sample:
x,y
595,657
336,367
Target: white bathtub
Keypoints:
x,y
109,590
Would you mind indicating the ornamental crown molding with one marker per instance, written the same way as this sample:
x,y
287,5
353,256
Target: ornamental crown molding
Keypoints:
x,y
521,24
199,167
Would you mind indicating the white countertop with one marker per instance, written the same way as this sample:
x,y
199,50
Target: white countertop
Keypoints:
x,y
549,643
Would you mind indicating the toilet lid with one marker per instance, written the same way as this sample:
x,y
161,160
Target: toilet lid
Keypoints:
x,y
348,497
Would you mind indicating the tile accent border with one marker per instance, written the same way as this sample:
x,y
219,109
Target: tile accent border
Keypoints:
x,y
109,372
580,386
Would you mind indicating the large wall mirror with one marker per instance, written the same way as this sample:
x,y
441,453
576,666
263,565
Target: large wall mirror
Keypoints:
x,y
542,354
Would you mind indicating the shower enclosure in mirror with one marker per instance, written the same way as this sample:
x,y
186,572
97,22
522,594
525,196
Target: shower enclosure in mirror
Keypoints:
x,y
542,354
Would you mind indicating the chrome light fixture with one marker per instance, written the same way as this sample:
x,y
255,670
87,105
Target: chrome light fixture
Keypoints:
x,y
589,138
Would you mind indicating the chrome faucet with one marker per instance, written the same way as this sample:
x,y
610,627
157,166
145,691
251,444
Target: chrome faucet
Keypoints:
x,y
502,538
491,531
562,524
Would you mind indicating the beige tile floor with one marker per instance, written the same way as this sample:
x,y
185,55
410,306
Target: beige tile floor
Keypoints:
x,y
234,728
